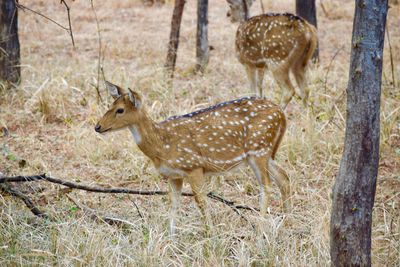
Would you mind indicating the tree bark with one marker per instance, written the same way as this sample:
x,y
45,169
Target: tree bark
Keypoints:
x,y
174,37
10,70
307,10
354,189
202,48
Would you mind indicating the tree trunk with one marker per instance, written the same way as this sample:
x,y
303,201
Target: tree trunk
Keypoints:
x,y
202,48
10,70
307,10
174,37
354,189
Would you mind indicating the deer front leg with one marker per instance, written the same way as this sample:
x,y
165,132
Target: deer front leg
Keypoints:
x,y
175,189
199,188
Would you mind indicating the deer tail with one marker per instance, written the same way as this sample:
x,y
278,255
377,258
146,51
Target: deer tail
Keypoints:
x,y
312,39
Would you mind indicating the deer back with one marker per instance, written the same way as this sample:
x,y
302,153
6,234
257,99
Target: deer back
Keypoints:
x,y
222,136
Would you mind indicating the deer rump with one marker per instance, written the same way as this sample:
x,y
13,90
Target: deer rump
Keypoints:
x,y
271,39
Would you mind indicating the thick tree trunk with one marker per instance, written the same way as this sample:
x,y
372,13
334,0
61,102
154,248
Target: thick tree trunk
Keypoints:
x,y
354,189
174,37
307,10
10,70
202,48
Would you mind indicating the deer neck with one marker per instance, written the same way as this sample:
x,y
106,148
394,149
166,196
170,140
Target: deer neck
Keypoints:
x,y
147,136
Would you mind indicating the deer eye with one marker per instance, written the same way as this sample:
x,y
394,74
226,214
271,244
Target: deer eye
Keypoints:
x,y
120,110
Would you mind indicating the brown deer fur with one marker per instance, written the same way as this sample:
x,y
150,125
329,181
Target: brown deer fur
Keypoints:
x,y
213,140
282,43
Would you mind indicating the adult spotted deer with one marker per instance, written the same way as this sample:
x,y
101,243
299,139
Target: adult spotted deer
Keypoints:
x,y
282,43
208,141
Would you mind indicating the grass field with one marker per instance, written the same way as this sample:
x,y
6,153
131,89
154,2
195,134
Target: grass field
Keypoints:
x,y
51,116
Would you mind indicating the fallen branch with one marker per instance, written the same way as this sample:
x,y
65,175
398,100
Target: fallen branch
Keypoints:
x,y
32,178
232,205
25,199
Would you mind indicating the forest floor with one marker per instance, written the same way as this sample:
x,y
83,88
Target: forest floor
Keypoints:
x,y
50,119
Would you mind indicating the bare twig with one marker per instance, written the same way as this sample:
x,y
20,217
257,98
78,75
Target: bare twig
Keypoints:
x,y
99,64
102,73
93,215
262,7
234,207
324,9
69,22
330,64
391,56
23,8
230,203
69,30
25,199
31,178
334,108
137,208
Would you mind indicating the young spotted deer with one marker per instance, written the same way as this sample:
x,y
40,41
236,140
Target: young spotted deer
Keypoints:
x,y
208,141
282,43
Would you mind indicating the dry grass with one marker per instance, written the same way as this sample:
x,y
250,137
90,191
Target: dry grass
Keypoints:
x,y
51,117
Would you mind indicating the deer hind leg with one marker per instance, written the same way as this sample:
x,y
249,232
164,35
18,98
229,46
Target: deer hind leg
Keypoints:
x,y
252,76
298,71
282,180
175,190
259,167
199,188
260,77
281,75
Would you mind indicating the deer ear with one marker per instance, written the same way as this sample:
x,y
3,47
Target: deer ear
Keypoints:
x,y
114,90
135,98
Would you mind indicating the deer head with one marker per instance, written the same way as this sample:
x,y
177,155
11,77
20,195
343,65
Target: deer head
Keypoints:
x,y
124,112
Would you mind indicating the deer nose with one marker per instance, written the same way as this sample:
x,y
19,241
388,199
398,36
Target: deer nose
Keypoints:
x,y
97,128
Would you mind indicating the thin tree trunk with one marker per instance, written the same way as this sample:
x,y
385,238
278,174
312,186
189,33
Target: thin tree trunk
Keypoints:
x,y
202,48
246,10
307,10
10,70
174,37
354,189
